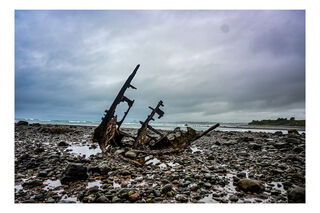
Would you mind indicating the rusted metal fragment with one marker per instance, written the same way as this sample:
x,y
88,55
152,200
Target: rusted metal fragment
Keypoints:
x,y
106,129
142,137
130,161
180,140
148,140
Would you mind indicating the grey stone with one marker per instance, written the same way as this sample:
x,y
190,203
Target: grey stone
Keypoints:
x,y
249,185
293,141
166,188
22,123
297,195
63,143
119,151
130,154
102,199
233,198
74,172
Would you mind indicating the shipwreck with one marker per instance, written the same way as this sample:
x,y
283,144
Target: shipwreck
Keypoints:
x,y
148,139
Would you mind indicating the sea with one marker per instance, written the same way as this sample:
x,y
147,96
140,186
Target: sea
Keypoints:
x,y
199,126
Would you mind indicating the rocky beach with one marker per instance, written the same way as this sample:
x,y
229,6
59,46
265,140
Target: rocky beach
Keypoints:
x,y
59,164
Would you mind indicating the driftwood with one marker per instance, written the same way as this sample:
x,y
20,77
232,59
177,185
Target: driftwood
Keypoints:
x,y
148,140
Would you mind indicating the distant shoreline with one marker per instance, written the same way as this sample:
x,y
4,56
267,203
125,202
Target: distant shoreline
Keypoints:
x,y
298,128
280,128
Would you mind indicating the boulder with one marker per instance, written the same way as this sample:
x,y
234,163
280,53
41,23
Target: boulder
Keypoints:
x,y
103,168
255,146
32,183
293,141
102,199
43,173
297,195
63,143
249,185
233,198
22,123
281,145
134,197
293,131
245,139
278,133
298,149
181,198
166,188
74,172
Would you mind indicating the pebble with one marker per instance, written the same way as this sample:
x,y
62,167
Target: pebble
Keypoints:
x,y
186,177
166,188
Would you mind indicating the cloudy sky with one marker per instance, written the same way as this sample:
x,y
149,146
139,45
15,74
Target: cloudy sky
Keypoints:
x,y
227,66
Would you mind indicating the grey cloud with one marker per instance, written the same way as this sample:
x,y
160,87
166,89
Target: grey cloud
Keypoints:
x,y
205,65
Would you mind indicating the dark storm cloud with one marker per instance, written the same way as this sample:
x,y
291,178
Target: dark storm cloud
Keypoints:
x,y
204,65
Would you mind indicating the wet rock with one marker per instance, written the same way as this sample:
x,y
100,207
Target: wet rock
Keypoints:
x,y
74,172
63,143
194,187
241,175
24,157
166,188
32,183
276,171
233,198
29,201
297,195
292,157
43,173
104,168
207,185
281,145
298,149
243,153
293,141
181,198
50,200
102,199
229,143
124,172
39,150
245,139
116,200
211,157
255,146
130,154
124,193
134,197
119,151
293,131
22,123
95,169
250,185
278,133
93,189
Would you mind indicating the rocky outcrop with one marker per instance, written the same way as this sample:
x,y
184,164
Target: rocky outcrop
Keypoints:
x,y
74,172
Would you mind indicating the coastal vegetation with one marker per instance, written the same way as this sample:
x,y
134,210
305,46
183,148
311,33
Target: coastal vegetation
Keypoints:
x,y
280,122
